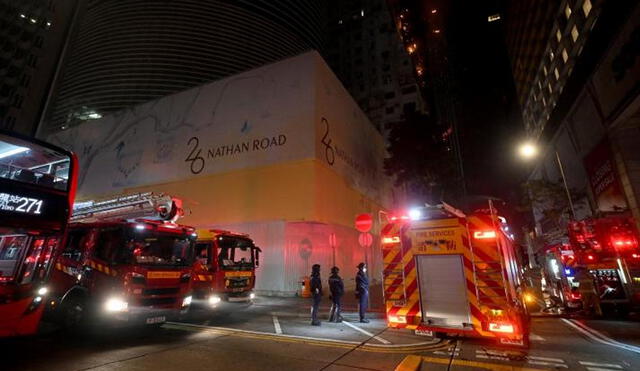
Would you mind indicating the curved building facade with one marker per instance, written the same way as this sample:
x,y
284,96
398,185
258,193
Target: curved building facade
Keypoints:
x,y
128,52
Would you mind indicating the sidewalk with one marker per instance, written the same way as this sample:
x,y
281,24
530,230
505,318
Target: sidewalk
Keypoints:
x,y
302,306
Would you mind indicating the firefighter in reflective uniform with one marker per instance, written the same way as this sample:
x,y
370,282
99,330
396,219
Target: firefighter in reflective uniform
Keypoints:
x,y
337,290
316,293
587,288
362,291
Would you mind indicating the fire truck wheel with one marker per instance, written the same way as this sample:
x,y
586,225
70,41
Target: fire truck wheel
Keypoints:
x,y
74,315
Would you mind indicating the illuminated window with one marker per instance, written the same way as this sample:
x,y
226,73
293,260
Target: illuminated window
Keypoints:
x,y
493,18
539,84
558,35
544,69
555,72
567,11
565,56
574,33
549,86
586,7
544,102
551,55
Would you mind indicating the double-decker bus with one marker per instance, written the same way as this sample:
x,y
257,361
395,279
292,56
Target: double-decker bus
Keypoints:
x,y
37,189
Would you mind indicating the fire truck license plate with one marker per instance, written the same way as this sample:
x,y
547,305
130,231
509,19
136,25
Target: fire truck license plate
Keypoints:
x,y
512,342
152,320
424,332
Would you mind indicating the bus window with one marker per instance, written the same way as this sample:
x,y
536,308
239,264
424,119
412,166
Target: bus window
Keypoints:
x,y
12,248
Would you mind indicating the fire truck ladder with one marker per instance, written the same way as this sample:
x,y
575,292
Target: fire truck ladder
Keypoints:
x,y
488,276
139,205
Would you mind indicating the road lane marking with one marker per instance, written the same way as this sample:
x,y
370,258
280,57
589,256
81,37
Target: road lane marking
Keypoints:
x,y
543,363
276,325
535,337
423,346
599,337
481,365
609,365
546,359
383,341
599,369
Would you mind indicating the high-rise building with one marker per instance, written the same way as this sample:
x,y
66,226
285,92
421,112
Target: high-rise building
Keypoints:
x,y
366,52
545,39
32,37
576,70
124,53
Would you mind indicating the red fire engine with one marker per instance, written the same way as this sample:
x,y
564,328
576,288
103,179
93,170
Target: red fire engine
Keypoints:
x,y
608,248
225,267
126,261
37,188
558,264
447,272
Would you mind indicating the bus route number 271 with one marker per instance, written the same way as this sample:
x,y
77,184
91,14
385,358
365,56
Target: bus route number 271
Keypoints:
x,y
26,205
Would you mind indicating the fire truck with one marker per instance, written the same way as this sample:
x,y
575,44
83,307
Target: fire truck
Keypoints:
x,y
608,248
446,272
37,189
225,266
558,264
126,262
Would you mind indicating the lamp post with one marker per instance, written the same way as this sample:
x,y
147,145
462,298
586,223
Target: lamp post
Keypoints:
x,y
530,150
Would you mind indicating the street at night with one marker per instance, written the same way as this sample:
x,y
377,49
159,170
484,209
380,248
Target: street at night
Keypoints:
x,y
320,185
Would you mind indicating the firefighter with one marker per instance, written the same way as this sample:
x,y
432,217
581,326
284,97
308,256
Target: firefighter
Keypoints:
x,y
337,290
316,293
587,288
362,291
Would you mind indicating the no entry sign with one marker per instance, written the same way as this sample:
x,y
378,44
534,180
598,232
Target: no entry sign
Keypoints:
x,y
364,222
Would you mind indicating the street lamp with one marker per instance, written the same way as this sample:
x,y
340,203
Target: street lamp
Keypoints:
x,y
529,150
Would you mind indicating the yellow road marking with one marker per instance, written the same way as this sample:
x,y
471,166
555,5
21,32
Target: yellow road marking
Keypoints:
x,y
326,343
483,365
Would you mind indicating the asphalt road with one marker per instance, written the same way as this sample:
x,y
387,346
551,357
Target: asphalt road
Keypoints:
x,y
276,335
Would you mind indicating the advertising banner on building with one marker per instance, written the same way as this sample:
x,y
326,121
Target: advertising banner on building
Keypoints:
x,y
603,179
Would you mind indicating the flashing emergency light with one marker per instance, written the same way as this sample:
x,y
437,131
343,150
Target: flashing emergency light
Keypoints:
x,y
635,256
390,240
528,298
501,327
415,214
623,243
484,235
567,271
591,257
576,296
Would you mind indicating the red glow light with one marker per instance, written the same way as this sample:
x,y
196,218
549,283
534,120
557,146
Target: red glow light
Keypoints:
x,y
591,257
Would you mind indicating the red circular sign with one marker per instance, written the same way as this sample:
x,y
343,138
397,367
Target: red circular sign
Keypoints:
x,y
364,222
365,239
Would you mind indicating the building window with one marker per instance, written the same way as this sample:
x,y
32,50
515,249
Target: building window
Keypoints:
x,y
389,110
558,35
574,33
544,102
567,11
551,56
565,56
549,86
544,69
556,73
586,7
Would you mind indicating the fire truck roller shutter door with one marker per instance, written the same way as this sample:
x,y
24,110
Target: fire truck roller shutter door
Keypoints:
x,y
443,292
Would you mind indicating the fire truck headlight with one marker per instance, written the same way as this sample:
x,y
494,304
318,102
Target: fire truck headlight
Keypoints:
x,y
187,301
252,296
213,300
528,298
43,291
116,305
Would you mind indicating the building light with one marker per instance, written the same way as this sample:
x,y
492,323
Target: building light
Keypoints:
x,y
22,16
436,31
412,48
33,20
556,73
544,69
567,11
565,55
48,24
340,21
586,7
362,12
558,35
434,11
574,33
549,86
551,55
493,18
